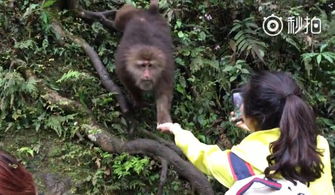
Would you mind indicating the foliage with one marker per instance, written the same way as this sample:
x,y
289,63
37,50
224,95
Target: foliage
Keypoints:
x,y
13,88
56,123
123,166
219,44
245,40
325,57
13,97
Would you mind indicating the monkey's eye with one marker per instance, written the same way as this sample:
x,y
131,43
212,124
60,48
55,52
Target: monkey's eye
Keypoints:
x,y
140,64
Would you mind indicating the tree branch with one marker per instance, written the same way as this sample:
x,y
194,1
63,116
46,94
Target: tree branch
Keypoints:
x,y
110,143
101,16
106,81
90,15
162,141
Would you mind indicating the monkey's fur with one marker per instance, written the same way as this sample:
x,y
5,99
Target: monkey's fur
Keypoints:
x,y
144,59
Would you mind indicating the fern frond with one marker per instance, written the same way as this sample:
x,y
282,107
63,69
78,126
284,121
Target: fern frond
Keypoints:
x,y
246,41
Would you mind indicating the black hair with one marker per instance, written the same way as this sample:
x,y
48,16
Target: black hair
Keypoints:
x,y
273,99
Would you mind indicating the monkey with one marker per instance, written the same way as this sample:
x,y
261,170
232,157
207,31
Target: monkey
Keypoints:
x,y
144,56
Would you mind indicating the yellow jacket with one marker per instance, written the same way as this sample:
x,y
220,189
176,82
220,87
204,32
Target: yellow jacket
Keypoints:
x,y
254,149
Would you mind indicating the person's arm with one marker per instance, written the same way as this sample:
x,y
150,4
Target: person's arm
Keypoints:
x,y
209,159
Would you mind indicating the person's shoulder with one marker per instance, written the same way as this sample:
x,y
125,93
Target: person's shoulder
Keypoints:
x,y
322,142
321,139
269,135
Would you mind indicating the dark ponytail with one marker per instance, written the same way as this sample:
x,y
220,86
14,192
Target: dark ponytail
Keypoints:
x,y
274,100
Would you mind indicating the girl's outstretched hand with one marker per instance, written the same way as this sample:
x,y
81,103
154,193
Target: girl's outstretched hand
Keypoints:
x,y
168,127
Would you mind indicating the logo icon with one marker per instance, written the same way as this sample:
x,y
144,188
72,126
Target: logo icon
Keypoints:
x,y
272,25
315,25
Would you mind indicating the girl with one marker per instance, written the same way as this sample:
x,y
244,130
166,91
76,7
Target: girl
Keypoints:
x,y
284,140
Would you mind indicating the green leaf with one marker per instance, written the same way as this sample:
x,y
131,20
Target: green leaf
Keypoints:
x,y
49,3
202,36
251,24
245,71
238,35
318,58
235,27
233,78
323,47
178,24
27,44
243,46
181,34
327,57
26,150
259,53
180,89
228,68
309,55
45,17
240,40
30,10
292,42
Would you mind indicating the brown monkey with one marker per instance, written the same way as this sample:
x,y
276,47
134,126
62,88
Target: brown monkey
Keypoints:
x,y
144,60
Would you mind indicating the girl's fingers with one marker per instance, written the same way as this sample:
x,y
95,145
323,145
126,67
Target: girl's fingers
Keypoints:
x,y
242,125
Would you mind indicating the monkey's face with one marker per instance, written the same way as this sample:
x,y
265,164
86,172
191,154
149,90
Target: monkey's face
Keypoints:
x,y
146,73
146,66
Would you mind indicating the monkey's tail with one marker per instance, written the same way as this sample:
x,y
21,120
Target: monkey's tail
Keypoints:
x,y
154,9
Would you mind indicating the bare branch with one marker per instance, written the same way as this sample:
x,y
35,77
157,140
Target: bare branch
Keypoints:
x,y
107,82
101,16
108,12
162,141
90,15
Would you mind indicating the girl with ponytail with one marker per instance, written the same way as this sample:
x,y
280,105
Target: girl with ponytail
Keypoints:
x,y
284,142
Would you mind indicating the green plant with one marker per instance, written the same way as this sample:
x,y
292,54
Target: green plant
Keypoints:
x,y
326,57
14,95
57,123
126,165
246,39
26,151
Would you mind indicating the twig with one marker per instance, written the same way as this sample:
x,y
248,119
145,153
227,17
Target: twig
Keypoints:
x,y
101,16
90,15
